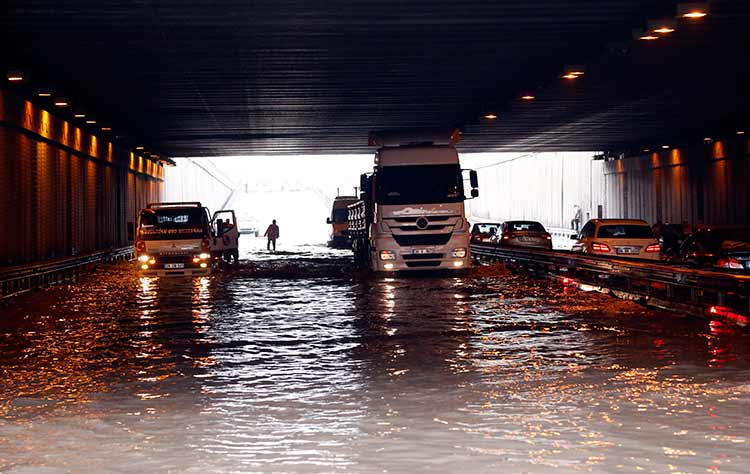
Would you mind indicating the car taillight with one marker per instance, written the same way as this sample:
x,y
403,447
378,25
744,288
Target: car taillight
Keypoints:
x,y
548,237
653,248
597,247
729,263
205,244
140,245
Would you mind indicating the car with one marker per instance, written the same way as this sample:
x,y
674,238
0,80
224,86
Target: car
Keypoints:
x,y
725,247
523,234
482,232
627,238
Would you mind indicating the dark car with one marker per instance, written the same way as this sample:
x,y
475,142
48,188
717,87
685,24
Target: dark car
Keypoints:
x,y
523,234
720,247
482,232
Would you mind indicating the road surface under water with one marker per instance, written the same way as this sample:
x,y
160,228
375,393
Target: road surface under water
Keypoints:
x,y
297,364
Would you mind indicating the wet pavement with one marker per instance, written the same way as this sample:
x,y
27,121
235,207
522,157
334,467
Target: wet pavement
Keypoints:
x,y
298,364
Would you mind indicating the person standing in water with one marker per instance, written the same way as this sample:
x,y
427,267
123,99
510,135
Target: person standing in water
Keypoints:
x,y
272,233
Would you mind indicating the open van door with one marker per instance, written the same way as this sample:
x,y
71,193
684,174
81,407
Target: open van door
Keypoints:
x,y
226,239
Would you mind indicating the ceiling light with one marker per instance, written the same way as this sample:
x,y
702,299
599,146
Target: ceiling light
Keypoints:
x,y
44,93
61,102
693,10
663,27
90,122
740,132
571,76
649,37
140,148
106,129
490,116
528,97
14,76
79,115
646,150
665,147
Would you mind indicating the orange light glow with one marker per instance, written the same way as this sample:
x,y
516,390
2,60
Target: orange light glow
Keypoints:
x,y
649,37
528,97
62,102
90,122
79,115
490,116
14,77
694,15
571,76
664,30
106,129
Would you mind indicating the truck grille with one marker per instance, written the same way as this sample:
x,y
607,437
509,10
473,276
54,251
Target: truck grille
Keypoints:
x,y
422,264
422,239
423,256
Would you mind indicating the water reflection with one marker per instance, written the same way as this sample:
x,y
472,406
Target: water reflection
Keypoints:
x,y
297,366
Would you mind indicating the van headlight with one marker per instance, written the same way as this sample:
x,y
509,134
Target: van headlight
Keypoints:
x,y
459,252
143,258
387,255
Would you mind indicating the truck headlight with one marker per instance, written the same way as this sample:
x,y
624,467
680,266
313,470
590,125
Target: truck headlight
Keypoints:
x,y
387,255
459,252
143,258
204,256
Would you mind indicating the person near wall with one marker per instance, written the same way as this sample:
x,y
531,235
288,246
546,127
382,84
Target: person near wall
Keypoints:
x,y
575,223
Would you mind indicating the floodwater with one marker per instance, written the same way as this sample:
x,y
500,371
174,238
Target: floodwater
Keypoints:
x,y
297,364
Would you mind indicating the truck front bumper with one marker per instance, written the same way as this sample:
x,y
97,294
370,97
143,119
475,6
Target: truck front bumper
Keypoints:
x,y
421,257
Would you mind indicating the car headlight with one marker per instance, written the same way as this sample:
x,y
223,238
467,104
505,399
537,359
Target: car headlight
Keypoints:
x,y
204,256
143,258
387,255
459,252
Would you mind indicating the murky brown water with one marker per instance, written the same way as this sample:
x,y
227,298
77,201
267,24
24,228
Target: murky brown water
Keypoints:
x,y
297,365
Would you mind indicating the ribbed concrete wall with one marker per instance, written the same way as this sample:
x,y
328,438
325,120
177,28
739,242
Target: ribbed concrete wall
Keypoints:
x,y
64,191
537,186
707,183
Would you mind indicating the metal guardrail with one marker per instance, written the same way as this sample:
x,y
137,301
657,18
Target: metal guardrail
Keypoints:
x,y
20,279
715,294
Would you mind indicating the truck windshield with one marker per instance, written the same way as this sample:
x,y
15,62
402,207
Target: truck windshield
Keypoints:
x,y
163,224
340,215
422,184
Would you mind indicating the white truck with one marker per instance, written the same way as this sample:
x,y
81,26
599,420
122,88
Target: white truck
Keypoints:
x,y
181,238
411,212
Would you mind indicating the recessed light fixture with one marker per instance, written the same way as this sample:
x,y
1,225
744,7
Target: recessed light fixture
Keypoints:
x,y
646,150
14,76
692,10
648,38
662,27
106,129
61,102
528,97
44,93
665,147
140,148
740,132
91,122
79,115
490,116
571,76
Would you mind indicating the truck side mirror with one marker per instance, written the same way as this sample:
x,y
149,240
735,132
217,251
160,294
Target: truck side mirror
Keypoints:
x,y
328,220
131,230
474,180
363,182
474,192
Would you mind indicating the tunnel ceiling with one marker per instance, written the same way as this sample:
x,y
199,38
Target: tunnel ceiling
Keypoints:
x,y
294,76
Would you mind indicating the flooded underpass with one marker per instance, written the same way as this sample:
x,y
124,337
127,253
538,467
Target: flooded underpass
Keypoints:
x,y
295,363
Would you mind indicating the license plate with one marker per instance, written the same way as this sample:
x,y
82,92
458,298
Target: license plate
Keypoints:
x,y
174,265
421,251
528,239
626,250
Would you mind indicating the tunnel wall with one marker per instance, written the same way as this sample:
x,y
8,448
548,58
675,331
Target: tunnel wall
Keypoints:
x,y
65,191
537,186
198,180
707,183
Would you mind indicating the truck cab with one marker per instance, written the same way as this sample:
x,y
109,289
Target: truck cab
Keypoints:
x,y
181,238
411,215
339,222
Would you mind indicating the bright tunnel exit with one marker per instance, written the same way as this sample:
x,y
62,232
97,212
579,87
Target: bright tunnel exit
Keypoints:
x,y
296,191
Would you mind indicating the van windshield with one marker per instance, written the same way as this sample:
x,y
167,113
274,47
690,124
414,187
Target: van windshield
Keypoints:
x,y
164,224
422,184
